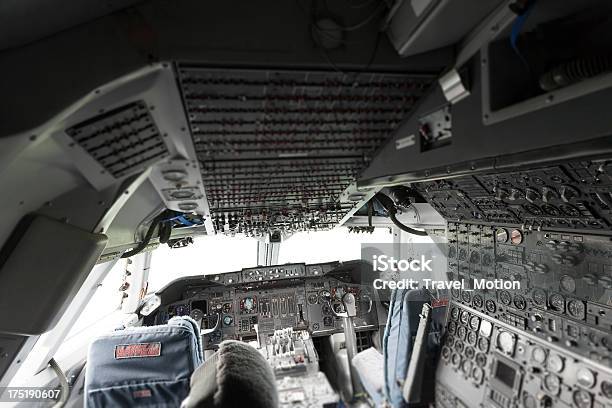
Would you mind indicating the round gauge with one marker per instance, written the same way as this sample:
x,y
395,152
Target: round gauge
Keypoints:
x,y
486,328
446,352
471,338
452,327
529,401
505,297
475,257
483,344
568,284
474,322
481,359
228,320
516,237
313,298
326,309
466,367
539,297
552,384
576,309
247,304
455,293
477,301
490,306
477,374
456,359
215,336
469,352
452,252
466,296
454,313
555,363
486,259
501,235
196,314
459,346
519,302
538,355
462,332
465,316
227,307
462,254
585,377
606,389
505,342
325,294
557,302
582,399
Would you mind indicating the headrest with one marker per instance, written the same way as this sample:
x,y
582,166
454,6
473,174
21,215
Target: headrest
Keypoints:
x,y
237,375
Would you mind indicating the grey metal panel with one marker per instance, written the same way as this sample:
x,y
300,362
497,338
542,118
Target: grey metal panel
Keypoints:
x,y
423,25
45,261
45,76
582,119
45,18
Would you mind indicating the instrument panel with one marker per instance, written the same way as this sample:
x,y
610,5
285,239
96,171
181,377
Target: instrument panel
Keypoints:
x,y
548,343
265,299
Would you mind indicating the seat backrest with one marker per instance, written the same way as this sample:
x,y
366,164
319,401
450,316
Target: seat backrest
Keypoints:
x,y
398,340
143,366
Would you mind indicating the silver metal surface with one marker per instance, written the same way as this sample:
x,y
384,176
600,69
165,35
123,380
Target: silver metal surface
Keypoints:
x,y
453,87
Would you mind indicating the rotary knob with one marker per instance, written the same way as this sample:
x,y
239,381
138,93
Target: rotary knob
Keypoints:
x,y
532,195
549,194
568,193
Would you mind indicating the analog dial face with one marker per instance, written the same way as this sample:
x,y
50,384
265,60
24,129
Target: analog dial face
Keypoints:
x,y
516,237
501,235
568,284
539,355
474,322
606,389
582,399
552,383
486,328
196,314
465,316
506,342
556,363
585,377
557,302
228,320
325,294
576,309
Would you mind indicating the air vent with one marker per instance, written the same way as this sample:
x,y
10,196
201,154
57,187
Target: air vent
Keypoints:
x,y
123,141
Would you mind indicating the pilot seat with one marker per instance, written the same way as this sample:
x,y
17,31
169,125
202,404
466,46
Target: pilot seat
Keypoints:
x,y
143,366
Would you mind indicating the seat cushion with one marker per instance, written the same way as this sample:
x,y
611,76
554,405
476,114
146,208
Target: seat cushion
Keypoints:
x,y
369,365
143,366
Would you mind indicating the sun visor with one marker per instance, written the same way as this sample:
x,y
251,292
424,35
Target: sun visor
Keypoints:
x,y
42,266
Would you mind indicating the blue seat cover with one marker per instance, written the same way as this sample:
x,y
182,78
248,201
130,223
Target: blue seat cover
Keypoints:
x,y
143,366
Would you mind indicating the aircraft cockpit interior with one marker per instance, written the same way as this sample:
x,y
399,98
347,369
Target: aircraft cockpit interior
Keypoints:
x,y
306,203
